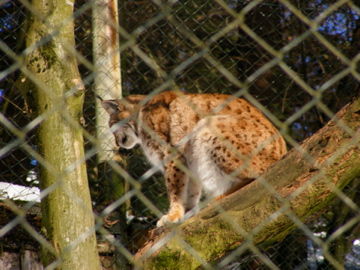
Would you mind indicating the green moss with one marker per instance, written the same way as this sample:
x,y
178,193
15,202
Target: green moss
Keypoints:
x,y
48,54
166,260
215,237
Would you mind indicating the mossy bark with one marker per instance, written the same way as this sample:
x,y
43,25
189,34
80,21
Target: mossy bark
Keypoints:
x,y
68,221
300,185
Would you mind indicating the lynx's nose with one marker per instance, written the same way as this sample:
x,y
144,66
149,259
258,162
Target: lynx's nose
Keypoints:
x,y
124,140
120,140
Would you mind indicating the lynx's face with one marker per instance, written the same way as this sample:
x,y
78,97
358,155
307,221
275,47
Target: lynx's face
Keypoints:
x,y
125,134
121,121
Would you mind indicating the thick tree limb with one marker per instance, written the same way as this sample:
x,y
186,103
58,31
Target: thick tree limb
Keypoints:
x,y
265,211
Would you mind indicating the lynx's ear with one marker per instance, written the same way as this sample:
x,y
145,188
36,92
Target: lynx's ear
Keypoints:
x,y
111,106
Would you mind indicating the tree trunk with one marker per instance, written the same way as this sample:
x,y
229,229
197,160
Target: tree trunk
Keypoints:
x,y
107,85
67,212
301,184
106,56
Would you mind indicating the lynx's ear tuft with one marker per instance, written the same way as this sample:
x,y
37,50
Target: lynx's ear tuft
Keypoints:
x,y
98,97
111,106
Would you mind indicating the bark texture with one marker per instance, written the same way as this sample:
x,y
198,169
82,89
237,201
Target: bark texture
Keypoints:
x,y
51,65
107,81
265,211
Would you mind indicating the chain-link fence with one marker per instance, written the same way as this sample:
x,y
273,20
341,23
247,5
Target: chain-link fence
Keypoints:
x,y
295,61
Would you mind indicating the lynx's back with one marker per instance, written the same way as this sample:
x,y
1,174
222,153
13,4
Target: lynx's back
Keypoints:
x,y
187,110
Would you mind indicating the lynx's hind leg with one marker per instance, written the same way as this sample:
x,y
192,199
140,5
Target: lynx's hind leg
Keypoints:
x,y
229,151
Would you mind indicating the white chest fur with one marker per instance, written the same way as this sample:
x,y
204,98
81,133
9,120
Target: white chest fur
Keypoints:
x,y
153,157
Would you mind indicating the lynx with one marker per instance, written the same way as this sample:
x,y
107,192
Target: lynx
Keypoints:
x,y
201,142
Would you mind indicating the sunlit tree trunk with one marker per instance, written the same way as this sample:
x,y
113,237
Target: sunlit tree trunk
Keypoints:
x,y
106,57
107,85
68,221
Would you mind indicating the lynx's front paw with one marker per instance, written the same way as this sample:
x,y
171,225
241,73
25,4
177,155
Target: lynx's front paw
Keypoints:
x,y
175,215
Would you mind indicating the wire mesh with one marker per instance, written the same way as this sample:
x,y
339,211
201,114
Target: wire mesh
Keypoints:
x,y
296,61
